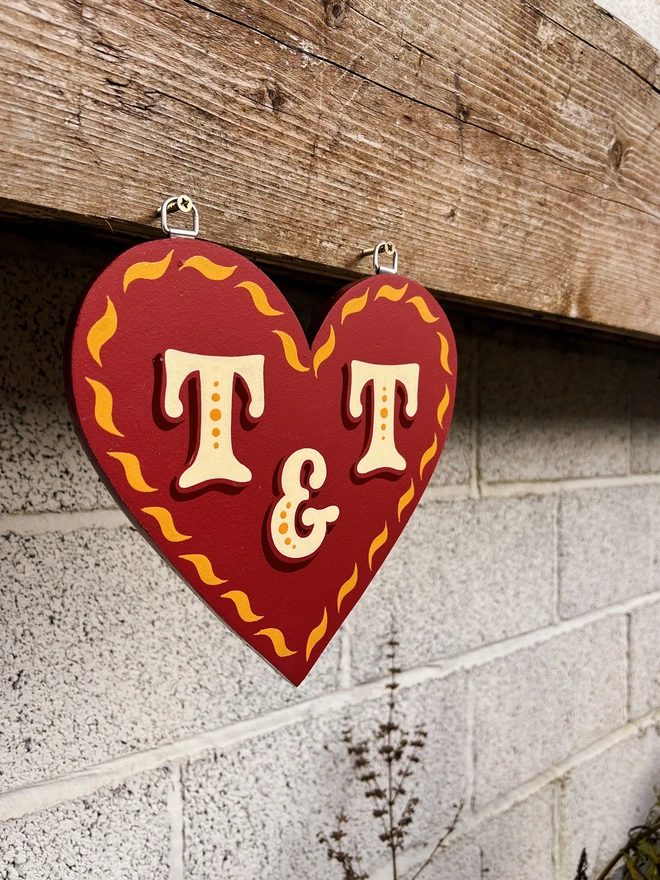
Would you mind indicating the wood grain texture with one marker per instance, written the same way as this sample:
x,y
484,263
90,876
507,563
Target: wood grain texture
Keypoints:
x,y
511,149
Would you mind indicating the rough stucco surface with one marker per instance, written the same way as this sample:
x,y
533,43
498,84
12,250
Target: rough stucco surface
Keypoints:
x,y
139,738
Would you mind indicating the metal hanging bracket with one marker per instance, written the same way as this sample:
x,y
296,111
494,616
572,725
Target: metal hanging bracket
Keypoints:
x,y
387,248
184,204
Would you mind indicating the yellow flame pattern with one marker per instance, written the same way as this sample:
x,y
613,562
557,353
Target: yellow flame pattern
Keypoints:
x,y
259,299
204,569
353,306
147,270
324,351
209,269
316,634
405,499
423,309
277,638
133,472
376,544
290,351
442,406
391,293
428,455
103,407
242,603
103,330
347,587
444,354
164,519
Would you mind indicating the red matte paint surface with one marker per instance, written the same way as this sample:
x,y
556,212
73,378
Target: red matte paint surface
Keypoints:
x,y
185,310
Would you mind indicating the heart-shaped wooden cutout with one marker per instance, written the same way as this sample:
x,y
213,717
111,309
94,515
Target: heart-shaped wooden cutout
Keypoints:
x,y
274,478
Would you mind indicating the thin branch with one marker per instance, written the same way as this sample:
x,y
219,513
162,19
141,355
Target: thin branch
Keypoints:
x,y
440,845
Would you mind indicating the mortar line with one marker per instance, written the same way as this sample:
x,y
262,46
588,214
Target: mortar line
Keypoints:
x,y
627,666
470,756
61,522
556,597
18,802
556,832
470,822
539,487
175,812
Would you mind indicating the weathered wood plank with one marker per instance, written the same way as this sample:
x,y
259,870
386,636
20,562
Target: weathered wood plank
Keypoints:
x,y
514,159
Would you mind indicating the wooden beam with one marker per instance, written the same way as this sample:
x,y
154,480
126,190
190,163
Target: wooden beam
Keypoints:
x,y
510,148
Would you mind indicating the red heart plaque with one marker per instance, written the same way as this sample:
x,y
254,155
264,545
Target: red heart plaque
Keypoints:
x,y
273,477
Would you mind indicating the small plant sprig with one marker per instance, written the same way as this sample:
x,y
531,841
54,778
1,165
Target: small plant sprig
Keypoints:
x,y
640,854
384,767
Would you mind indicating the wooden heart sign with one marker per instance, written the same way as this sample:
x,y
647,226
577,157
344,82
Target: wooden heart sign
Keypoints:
x,y
273,475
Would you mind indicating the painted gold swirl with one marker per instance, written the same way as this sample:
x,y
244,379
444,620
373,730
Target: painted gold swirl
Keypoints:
x,y
103,407
316,634
353,306
242,603
376,544
277,638
428,455
290,351
204,569
103,330
444,354
132,470
149,271
423,309
405,499
324,351
442,406
347,587
259,299
207,268
164,519
391,293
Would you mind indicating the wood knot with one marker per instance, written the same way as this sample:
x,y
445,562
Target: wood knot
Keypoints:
x,y
270,95
615,154
462,112
335,10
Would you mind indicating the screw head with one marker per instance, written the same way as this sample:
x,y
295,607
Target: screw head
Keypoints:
x,y
184,203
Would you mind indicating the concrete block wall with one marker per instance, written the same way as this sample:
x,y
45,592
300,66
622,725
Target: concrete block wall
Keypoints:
x,y
138,738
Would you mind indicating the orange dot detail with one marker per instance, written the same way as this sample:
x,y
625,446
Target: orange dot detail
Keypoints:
x,y
384,398
382,427
284,528
283,514
215,445
216,432
287,540
215,414
288,504
215,396
383,413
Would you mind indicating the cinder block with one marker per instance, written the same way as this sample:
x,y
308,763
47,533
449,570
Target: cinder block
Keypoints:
x,y
520,842
464,574
453,467
644,660
604,547
120,832
535,708
105,652
255,810
551,407
606,797
42,465
645,413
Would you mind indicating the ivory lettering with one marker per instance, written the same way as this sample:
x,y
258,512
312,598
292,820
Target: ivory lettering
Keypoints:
x,y
382,454
214,459
284,535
